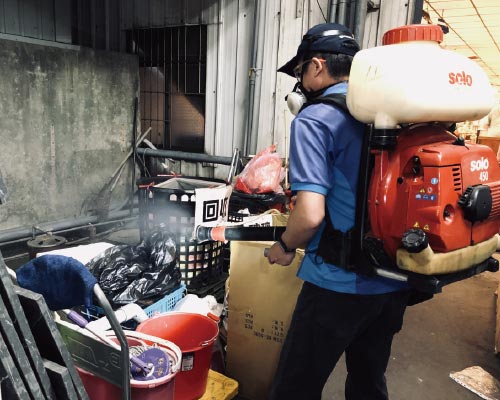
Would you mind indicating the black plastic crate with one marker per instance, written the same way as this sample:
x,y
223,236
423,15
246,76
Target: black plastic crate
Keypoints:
x,y
200,264
144,186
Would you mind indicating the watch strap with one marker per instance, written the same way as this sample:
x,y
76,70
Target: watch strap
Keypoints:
x,y
283,245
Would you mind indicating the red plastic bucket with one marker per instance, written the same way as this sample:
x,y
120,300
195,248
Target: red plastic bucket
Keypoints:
x,y
195,335
156,389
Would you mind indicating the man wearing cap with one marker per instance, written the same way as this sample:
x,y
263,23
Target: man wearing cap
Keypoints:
x,y
338,310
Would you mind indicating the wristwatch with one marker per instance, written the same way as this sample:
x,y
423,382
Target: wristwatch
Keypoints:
x,y
283,245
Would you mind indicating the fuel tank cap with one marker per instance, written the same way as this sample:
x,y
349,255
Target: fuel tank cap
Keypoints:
x,y
414,240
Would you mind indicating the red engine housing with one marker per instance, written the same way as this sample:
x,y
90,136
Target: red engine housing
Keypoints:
x,y
418,184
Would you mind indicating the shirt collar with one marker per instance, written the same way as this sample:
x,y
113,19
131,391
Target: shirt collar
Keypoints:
x,y
340,87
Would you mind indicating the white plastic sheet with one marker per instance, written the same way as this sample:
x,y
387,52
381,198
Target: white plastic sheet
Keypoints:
x,y
478,381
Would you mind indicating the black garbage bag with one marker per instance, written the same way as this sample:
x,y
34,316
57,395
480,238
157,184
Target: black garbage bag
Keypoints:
x,y
139,274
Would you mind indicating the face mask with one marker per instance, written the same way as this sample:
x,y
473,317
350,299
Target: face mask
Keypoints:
x,y
299,96
295,100
309,94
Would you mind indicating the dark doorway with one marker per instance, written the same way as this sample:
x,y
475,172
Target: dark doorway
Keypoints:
x,y
172,64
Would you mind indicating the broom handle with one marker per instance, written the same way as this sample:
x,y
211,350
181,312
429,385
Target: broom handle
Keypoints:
x,y
137,143
124,353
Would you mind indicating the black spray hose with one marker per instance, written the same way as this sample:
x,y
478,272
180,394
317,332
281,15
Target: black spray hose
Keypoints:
x,y
272,233
243,233
263,233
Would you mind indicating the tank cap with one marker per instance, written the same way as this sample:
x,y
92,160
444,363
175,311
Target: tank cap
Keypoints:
x,y
412,33
414,240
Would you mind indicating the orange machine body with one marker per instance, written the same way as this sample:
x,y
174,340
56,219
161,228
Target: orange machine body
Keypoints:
x,y
419,184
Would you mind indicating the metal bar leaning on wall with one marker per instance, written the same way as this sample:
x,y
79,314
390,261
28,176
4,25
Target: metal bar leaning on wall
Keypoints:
x,y
185,156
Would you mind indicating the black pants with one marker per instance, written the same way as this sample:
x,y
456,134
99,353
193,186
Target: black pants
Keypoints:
x,y
325,324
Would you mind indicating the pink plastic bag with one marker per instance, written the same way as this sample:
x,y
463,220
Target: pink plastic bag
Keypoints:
x,y
262,174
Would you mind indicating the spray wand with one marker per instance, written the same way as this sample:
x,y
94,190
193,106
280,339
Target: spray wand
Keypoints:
x,y
245,233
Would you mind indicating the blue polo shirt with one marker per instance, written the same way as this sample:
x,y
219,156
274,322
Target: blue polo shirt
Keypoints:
x,y
325,149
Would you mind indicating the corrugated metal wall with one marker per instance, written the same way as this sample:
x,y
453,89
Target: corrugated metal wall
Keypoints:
x,y
38,19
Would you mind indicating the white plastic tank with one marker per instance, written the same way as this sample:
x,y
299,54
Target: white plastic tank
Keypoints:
x,y
411,79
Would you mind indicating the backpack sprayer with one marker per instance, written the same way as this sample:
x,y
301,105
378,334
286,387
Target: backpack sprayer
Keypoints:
x,y
429,209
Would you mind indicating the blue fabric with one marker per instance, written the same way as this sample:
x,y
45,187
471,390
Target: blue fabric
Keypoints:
x,y
325,149
63,281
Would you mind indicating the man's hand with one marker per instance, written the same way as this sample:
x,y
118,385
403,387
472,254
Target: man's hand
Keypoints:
x,y
303,223
276,255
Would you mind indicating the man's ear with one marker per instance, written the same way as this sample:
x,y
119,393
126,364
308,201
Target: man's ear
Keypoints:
x,y
318,64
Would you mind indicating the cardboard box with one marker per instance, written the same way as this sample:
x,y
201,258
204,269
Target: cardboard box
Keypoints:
x,y
496,348
261,299
497,325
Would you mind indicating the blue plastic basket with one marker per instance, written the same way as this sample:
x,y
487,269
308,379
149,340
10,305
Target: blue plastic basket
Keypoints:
x,y
167,303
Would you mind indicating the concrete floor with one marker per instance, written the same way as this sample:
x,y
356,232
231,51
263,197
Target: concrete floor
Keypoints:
x,y
449,333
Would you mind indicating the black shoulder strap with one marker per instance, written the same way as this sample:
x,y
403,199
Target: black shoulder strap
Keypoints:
x,y
336,247
335,99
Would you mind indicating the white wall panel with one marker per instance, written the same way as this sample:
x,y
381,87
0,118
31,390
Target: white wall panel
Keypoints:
x,y
265,133
294,19
245,47
228,45
391,14
292,29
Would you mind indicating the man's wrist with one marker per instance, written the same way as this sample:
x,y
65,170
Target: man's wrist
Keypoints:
x,y
283,246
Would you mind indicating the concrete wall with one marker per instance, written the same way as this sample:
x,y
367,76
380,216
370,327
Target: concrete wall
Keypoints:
x,y
65,126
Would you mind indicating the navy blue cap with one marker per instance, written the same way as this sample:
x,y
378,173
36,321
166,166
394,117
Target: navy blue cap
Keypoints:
x,y
323,38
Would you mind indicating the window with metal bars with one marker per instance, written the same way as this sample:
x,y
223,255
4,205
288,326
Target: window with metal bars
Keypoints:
x,y
172,76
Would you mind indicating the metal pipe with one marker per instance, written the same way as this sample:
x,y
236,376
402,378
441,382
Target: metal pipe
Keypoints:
x,y
57,226
255,79
342,11
359,20
134,157
333,10
251,79
234,165
90,238
418,6
258,78
130,153
181,155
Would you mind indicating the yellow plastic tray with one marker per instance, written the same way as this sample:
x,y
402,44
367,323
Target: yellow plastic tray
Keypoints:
x,y
220,387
